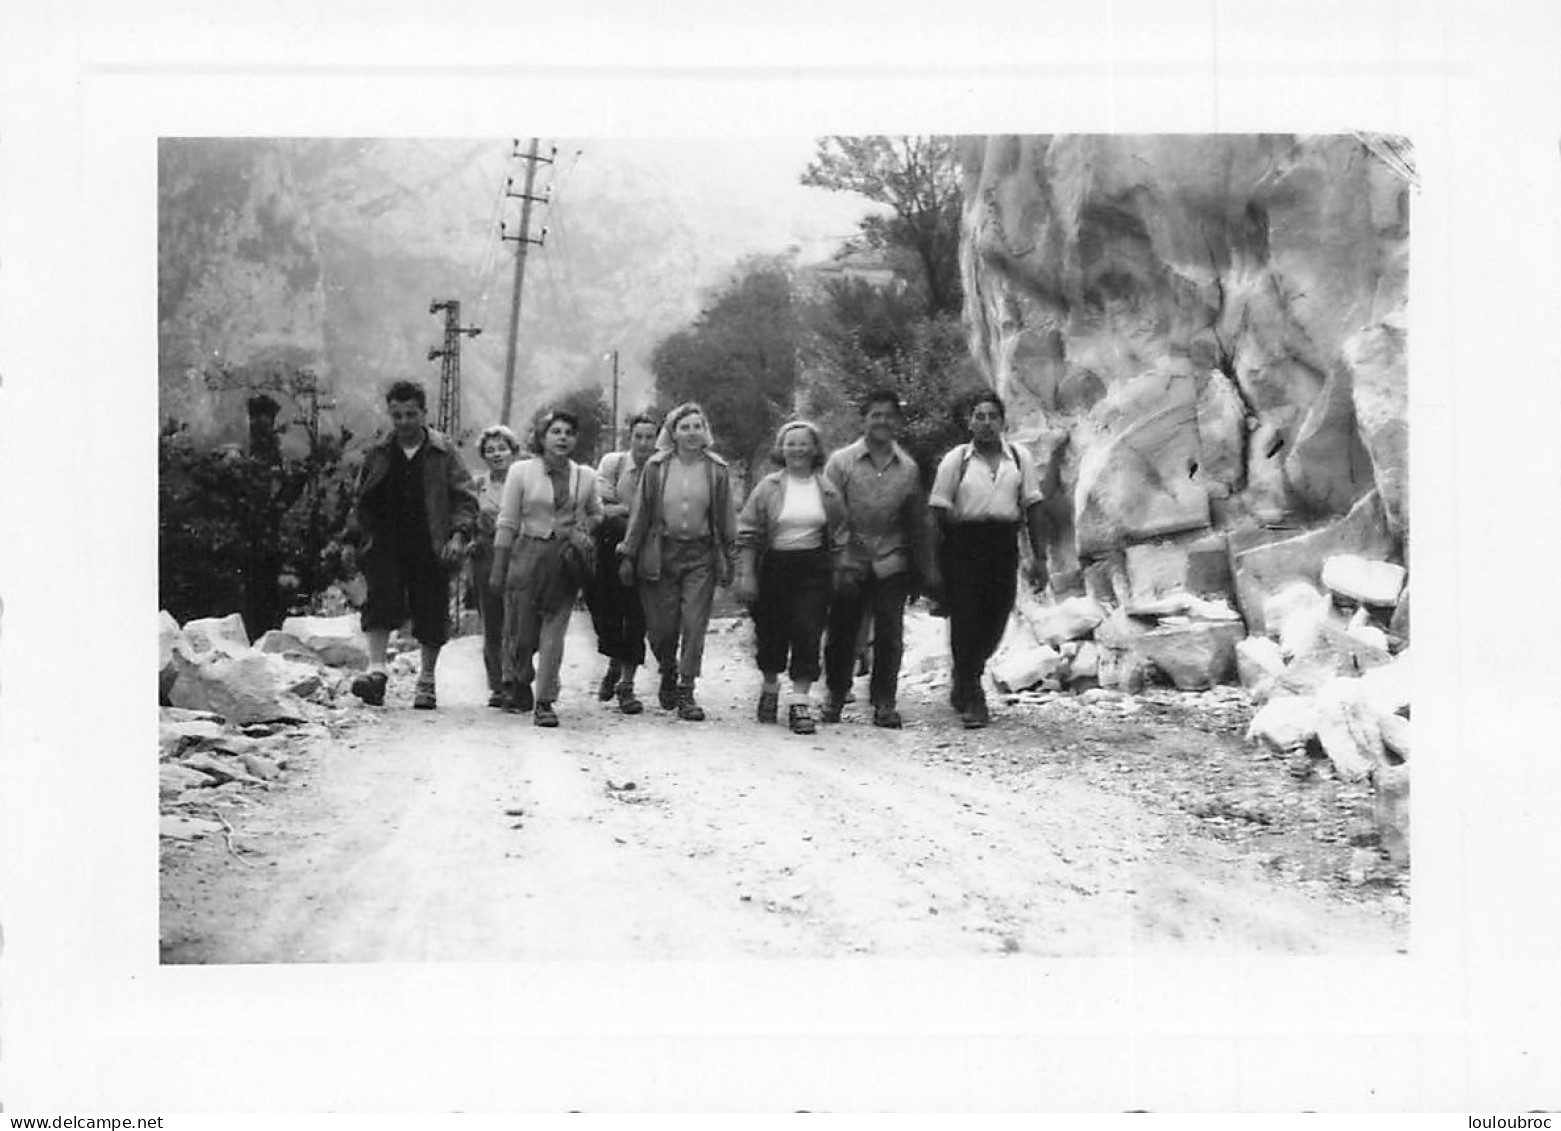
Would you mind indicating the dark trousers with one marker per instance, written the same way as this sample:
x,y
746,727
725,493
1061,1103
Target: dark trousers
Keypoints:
x,y
405,580
616,612
790,610
490,604
882,599
980,572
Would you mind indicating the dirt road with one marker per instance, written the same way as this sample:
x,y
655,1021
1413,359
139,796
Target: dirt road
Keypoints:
x,y
1092,826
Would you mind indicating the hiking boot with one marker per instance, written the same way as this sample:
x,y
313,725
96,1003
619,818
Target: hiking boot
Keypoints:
x,y
370,687
688,710
424,699
496,699
517,698
834,703
885,715
609,684
975,715
545,716
667,693
769,706
628,702
799,719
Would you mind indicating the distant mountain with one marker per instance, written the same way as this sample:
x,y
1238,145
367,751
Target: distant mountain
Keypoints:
x,y
325,253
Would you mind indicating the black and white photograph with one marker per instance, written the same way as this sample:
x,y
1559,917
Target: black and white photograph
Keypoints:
x,y
1180,721
842,561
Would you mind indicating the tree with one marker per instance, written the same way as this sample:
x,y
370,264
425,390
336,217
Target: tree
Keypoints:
x,y
587,404
739,358
918,178
860,338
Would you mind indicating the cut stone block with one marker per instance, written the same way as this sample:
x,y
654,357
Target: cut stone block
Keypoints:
x,y
1361,579
1263,570
338,641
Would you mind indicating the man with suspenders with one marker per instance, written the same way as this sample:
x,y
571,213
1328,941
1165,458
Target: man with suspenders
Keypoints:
x,y
984,491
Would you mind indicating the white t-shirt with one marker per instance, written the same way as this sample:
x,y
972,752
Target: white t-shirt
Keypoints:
x,y
800,523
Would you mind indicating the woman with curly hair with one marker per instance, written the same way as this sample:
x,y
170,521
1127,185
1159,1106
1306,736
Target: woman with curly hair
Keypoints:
x,y
790,537
542,555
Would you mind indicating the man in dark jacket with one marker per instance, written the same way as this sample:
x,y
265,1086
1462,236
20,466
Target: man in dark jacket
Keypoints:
x,y
413,515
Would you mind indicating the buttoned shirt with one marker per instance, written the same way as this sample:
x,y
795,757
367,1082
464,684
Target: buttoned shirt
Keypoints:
x,y
972,490
685,500
882,505
617,479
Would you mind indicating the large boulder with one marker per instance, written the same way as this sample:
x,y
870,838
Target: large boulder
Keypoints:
x,y
252,688
1194,332
207,634
339,640
1193,654
1259,663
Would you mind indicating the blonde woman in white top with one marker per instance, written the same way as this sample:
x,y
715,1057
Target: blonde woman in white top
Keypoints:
x,y
790,536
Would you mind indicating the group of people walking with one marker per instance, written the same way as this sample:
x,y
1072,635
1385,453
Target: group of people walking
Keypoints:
x,y
825,551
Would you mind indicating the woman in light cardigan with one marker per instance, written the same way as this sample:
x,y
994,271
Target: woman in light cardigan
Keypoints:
x,y
542,550
790,539
499,448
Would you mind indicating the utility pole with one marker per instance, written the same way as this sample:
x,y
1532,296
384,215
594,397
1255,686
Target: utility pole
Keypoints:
x,y
526,200
614,400
449,421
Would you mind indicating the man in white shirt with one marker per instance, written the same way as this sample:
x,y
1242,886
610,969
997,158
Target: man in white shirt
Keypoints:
x,y
984,491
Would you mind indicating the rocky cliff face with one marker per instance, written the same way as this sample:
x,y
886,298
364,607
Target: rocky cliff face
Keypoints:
x,y
1201,338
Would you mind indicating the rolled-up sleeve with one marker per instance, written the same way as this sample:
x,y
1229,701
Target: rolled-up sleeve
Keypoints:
x,y
946,480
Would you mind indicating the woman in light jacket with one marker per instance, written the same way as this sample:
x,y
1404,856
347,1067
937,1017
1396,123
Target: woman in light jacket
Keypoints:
x,y
790,538
542,553
499,448
679,545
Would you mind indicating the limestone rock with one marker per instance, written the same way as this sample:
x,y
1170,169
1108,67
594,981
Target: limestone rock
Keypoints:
x,y
1194,655
288,646
1139,480
1391,804
1025,668
1395,734
261,766
1299,597
220,768
1258,663
1194,331
1359,579
1361,628
178,735
1347,728
1085,664
1377,357
252,688
174,779
1073,619
204,634
1263,570
339,640
169,637
1287,722
1387,687
1179,569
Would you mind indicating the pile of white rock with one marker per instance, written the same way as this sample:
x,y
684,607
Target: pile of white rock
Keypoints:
x,y
1328,674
